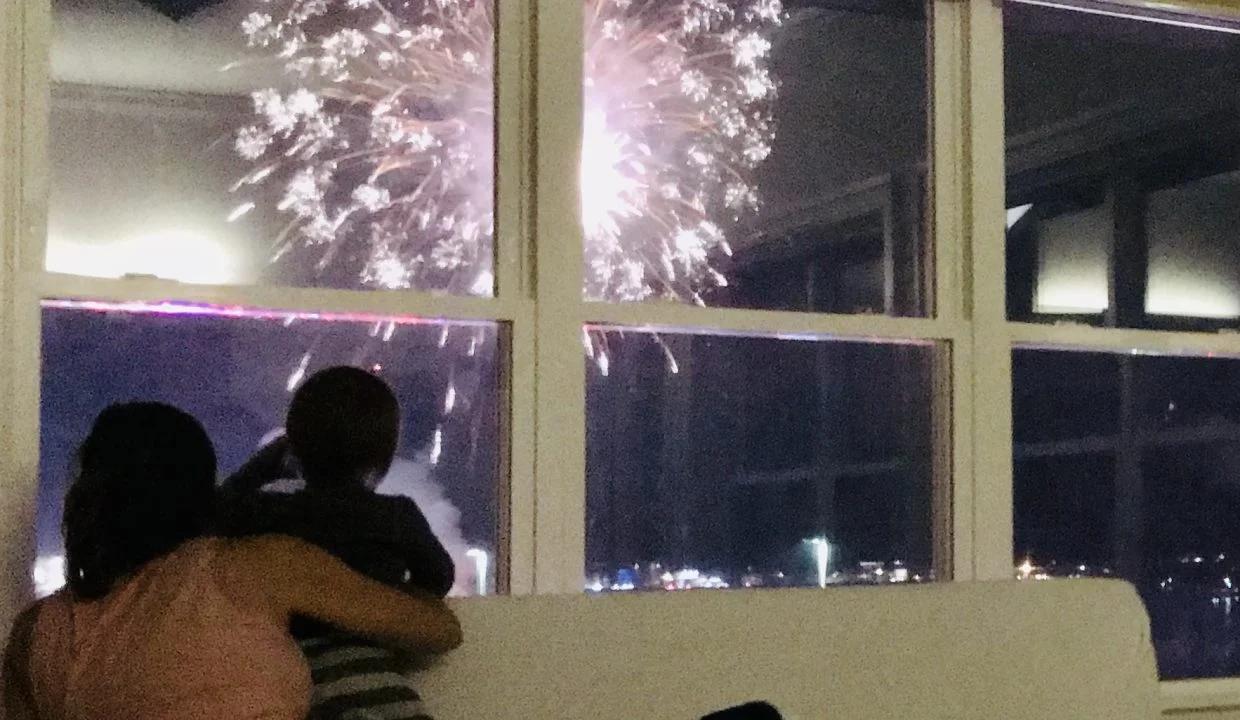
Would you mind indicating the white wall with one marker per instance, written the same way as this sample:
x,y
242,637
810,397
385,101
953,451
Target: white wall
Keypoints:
x,y
140,184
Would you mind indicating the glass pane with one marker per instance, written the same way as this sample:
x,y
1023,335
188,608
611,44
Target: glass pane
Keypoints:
x,y
234,371
756,154
280,143
1142,486
1064,396
1065,503
1122,174
1194,265
730,461
1192,545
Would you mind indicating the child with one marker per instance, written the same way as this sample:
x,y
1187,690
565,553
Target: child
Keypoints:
x,y
343,425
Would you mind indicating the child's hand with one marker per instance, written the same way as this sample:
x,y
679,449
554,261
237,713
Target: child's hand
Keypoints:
x,y
273,461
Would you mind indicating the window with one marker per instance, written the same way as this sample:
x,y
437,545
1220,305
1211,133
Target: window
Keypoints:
x,y
1140,484
274,144
1122,174
758,331
707,468
767,161
215,201
235,372
1121,189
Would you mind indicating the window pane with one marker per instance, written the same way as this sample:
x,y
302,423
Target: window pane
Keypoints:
x,y
233,371
745,461
350,149
1064,396
1143,486
1065,506
1194,266
1192,545
759,155
1122,172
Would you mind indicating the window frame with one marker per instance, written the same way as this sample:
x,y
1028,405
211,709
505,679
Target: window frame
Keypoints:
x,y
25,42
538,260
560,527
994,328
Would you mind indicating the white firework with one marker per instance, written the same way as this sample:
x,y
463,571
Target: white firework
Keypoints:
x,y
383,156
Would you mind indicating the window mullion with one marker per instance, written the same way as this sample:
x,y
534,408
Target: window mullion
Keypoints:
x,y
953,469
13,508
514,99
24,37
990,354
514,182
559,423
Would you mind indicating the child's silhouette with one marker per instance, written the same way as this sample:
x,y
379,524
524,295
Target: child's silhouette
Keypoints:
x,y
342,430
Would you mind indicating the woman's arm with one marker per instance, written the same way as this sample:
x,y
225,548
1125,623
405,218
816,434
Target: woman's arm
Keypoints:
x,y
300,579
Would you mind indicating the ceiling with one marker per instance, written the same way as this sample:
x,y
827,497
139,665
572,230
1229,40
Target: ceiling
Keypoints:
x,y
178,9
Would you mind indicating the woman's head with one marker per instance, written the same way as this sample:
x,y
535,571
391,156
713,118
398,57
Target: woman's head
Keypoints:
x,y
144,485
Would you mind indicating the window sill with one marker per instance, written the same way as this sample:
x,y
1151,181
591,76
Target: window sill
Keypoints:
x,y
1189,695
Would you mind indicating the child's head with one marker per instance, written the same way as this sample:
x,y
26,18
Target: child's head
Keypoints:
x,y
343,426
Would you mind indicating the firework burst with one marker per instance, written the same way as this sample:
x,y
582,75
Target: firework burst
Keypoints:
x,y
383,154
382,151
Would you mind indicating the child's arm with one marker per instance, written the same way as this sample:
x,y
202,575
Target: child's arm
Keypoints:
x,y
240,506
270,463
430,565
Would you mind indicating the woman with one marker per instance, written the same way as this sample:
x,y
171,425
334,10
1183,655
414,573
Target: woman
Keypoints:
x,y
159,620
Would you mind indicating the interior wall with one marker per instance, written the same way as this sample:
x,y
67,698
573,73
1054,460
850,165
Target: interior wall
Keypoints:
x,y
122,43
141,185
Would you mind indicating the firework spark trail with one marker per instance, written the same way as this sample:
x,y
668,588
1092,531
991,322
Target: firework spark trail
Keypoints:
x,y
677,105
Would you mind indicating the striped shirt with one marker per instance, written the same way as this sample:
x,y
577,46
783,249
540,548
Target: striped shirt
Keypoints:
x,y
355,680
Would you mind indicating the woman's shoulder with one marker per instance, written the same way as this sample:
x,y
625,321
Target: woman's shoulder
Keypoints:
x,y
214,550
53,611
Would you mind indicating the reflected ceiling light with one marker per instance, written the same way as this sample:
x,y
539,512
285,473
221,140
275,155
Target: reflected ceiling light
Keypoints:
x,y
1070,301
1067,288
1161,13
1193,297
1015,214
178,255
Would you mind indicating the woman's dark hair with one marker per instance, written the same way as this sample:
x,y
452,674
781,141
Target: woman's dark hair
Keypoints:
x,y
144,485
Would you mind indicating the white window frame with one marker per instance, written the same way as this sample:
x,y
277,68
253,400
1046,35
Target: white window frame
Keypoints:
x,y
25,42
560,527
539,251
992,329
